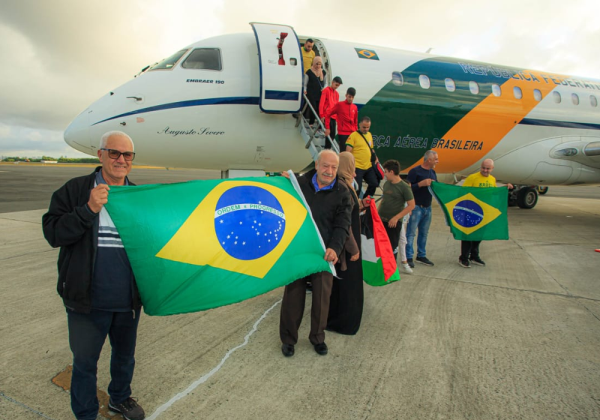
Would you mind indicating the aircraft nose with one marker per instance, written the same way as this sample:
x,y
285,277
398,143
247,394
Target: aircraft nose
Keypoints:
x,y
77,134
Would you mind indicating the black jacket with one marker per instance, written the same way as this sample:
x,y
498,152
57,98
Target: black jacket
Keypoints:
x,y
331,210
70,225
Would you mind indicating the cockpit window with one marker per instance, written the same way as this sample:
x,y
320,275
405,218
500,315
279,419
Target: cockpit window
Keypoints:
x,y
169,63
203,59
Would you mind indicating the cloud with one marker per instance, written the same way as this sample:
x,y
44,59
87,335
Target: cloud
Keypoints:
x,y
28,142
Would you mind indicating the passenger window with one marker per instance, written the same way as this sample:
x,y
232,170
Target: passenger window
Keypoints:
x,y
397,78
556,97
575,99
450,85
203,59
424,81
474,88
496,90
593,101
517,92
169,63
537,95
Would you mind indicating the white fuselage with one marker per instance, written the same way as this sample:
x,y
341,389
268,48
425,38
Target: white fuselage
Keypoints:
x,y
199,118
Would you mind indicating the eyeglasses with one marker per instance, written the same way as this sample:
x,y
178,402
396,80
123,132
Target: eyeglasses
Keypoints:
x,y
115,154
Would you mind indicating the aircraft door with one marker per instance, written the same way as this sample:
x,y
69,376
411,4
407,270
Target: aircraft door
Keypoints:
x,y
280,61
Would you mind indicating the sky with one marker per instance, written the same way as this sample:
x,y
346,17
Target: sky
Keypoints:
x,y
59,56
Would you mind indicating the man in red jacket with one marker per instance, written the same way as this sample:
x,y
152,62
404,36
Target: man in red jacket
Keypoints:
x,y
347,118
330,97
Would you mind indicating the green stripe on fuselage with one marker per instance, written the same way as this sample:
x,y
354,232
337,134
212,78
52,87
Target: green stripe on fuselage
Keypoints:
x,y
406,119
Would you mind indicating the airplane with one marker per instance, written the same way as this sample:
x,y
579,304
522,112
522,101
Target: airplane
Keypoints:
x,y
233,103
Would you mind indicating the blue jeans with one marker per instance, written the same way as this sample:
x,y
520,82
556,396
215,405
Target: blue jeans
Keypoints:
x,y
420,218
87,333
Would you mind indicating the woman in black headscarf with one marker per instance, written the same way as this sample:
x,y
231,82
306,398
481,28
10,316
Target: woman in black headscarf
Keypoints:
x,y
347,295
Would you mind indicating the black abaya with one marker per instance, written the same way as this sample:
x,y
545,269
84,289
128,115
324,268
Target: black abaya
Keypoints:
x,y
347,295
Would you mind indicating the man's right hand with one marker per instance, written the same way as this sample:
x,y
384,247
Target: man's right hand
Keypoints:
x,y
98,198
327,131
425,182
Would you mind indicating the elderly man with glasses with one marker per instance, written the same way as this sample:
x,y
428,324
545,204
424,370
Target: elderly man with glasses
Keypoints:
x,y
95,280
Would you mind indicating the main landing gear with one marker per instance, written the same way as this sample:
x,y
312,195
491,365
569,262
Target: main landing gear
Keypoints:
x,y
524,196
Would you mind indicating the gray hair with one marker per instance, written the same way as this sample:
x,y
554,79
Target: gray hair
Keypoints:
x,y
428,154
325,151
107,135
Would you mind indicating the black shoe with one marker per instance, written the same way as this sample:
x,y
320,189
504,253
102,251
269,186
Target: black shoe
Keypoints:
x,y
129,409
411,264
287,350
424,260
477,260
321,349
464,263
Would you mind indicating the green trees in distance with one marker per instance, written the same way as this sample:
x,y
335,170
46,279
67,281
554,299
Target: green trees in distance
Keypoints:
x,y
59,160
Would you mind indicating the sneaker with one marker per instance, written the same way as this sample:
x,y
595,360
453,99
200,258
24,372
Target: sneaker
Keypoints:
x,y
424,260
129,409
464,263
477,260
410,263
407,268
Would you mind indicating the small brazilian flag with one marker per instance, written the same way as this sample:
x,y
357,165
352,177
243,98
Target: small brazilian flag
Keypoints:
x,y
473,213
202,244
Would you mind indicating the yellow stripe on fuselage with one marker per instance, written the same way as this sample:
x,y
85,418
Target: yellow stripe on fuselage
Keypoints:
x,y
489,122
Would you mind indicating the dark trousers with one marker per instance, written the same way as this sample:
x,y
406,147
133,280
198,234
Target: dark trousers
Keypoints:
x,y
469,249
87,333
370,178
394,234
332,131
292,308
342,141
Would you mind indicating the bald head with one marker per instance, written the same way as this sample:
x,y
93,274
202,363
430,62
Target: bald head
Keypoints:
x,y
486,167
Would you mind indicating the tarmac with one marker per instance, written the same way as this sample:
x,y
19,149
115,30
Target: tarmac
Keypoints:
x,y
517,339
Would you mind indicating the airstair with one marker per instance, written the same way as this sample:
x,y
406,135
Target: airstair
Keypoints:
x,y
281,83
314,136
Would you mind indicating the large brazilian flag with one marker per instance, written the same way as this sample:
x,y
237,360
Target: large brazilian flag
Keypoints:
x,y
202,244
473,213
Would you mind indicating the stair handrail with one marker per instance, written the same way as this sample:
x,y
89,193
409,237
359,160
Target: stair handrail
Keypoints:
x,y
334,145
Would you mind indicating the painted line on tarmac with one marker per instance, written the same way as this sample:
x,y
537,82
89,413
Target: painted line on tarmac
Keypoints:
x,y
204,378
3,395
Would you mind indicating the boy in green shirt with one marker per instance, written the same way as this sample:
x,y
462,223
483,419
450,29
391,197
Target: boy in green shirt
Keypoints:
x,y
397,202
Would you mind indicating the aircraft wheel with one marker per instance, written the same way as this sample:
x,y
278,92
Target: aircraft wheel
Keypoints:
x,y
527,198
542,190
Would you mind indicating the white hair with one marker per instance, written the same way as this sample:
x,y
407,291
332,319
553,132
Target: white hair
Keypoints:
x,y
107,135
325,151
427,154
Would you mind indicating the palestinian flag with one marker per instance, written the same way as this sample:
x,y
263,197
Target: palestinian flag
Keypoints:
x,y
378,259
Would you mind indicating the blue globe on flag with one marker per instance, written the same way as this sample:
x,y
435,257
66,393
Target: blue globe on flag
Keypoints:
x,y
249,222
467,213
